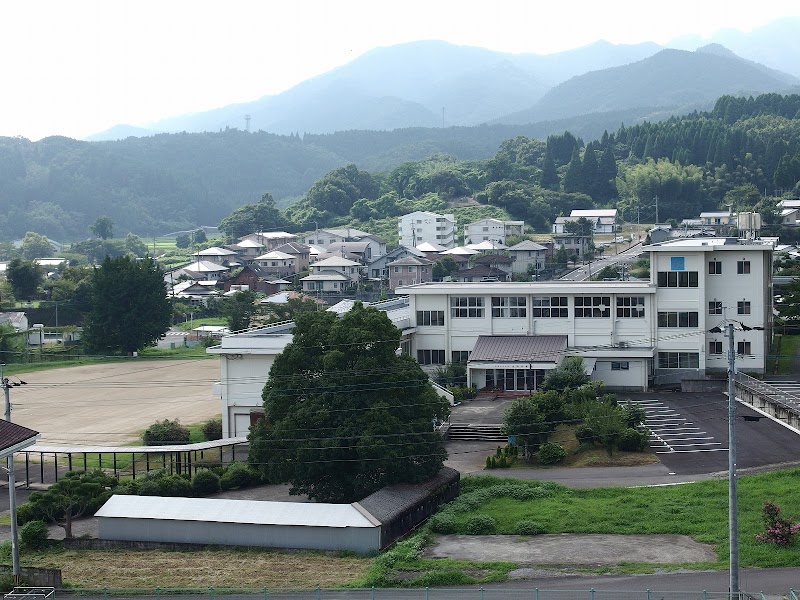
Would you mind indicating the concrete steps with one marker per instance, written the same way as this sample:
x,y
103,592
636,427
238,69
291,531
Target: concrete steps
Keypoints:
x,y
476,432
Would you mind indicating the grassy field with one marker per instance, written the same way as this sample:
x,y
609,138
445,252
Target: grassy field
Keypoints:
x,y
191,324
787,351
698,510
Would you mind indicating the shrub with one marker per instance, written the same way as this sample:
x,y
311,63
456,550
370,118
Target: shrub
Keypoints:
x,y
779,530
205,483
165,433
550,454
490,462
175,486
442,523
525,527
33,535
480,525
238,475
632,440
212,429
5,552
7,582
585,434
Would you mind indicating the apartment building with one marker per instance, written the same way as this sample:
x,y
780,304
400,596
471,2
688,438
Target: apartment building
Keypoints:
x,y
424,226
492,230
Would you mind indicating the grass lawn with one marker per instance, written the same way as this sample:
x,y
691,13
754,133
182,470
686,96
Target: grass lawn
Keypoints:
x,y
788,350
189,325
698,510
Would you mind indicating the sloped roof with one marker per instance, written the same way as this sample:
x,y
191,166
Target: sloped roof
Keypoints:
x,y
336,261
496,259
355,247
14,437
204,266
248,244
393,500
519,348
276,255
220,510
326,276
214,251
527,245
430,247
293,248
482,271
410,260
460,250
594,212
487,245
347,232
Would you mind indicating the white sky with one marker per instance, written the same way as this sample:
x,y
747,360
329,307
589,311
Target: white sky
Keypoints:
x,y
77,67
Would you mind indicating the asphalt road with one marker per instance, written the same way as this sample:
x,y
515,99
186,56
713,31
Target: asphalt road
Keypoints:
x,y
585,272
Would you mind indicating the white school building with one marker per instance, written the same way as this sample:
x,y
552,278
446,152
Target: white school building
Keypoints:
x,y
631,334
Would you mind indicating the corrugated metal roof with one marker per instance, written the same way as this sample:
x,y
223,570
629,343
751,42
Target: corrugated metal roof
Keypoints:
x,y
219,510
393,500
523,348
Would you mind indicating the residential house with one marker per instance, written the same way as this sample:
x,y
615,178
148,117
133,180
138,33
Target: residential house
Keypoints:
x,y
277,262
197,293
333,274
220,256
409,270
503,262
577,245
257,279
493,230
630,334
199,270
527,257
17,320
481,272
326,237
720,222
424,226
247,249
270,239
377,267
301,253
603,220
789,216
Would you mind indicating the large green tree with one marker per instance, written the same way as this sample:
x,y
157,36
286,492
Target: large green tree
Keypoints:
x,y
35,245
250,218
130,309
24,277
103,227
344,414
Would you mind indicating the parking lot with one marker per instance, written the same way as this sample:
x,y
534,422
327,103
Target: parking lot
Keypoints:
x,y
690,433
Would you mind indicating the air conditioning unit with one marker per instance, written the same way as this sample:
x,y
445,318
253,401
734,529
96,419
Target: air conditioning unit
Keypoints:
x,y
623,344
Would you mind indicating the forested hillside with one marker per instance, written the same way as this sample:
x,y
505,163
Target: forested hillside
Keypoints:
x,y
742,150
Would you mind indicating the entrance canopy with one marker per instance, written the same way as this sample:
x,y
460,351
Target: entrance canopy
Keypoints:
x,y
539,351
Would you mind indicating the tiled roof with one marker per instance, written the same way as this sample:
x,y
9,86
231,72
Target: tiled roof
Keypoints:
x,y
519,348
393,500
12,434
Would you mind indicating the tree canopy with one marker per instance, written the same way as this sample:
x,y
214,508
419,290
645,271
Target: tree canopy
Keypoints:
x,y
130,309
344,414
103,227
24,277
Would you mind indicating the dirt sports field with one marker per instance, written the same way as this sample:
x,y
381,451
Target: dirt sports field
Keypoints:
x,y
111,404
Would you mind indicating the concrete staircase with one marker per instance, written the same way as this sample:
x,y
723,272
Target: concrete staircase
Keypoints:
x,y
476,432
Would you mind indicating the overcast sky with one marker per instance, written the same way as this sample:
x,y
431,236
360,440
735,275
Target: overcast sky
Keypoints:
x,y
77,67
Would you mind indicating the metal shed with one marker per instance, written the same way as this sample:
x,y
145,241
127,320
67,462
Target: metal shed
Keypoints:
x,y
239,522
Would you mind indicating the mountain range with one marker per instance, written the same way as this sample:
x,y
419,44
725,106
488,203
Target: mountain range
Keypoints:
x,y
437,84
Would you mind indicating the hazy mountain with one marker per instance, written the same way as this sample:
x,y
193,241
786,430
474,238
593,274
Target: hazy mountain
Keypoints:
x,y
419,84
676,80
776,44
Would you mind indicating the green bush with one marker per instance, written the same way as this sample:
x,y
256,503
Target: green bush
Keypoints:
x,y
442,523
212,429
176,486
585,434
632,440
205,483
480,525
165,433
5,552
238,475
7,582
525,527
551,454
33,535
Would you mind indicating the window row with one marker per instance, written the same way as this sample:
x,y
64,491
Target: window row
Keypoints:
x,y
742,267
742,348
544,307
678,319
437,357
677,279
743,307
678,360
430,317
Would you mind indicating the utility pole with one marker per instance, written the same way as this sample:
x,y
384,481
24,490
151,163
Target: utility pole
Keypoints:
x,y
12,485
656,200
733,519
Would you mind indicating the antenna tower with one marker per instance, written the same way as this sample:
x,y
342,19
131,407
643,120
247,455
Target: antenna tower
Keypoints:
x,y
247,123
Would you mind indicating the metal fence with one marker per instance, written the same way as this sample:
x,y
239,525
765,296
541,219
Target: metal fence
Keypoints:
x,y
472,593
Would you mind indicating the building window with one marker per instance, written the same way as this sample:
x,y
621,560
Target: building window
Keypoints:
x,y
397,269
592,306
430,357
620,366
434,318
743,307
743,267
466,306
630,307
412,269
676,279
742,348
550,307
460,356
677,319
678,360
715,307
715,267
509,306
715,347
